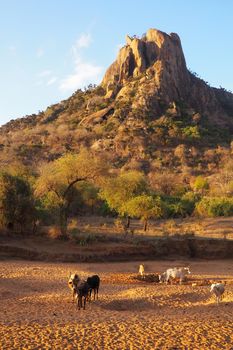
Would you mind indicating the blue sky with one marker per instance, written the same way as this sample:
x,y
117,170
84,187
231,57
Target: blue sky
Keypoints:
x,y
49,48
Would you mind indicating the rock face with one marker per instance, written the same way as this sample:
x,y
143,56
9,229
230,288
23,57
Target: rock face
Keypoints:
x,y
157,50
157,60
139,54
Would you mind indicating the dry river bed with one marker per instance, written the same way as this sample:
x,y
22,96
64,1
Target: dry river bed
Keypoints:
x,y
37,310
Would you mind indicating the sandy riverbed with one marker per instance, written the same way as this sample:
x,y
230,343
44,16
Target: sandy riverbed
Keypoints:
x,y
37,310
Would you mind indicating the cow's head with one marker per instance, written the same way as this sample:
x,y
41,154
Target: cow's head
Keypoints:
x,y
162,277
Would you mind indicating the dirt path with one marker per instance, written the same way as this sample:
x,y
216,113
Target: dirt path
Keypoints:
x,y
37,312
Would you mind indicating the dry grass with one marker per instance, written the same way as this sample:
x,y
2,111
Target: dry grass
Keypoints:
x,y
209,228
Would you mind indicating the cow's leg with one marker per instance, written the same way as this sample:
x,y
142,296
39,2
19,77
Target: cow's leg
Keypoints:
x,y
89,296
90,293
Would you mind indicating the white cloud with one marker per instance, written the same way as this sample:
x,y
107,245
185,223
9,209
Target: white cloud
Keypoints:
x,y
51,81
84,40
84,72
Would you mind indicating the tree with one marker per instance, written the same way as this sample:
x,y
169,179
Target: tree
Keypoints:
x,y
144,207
166,183
58,180
118,190
16,202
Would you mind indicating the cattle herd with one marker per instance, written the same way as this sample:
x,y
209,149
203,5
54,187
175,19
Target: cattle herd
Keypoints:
x,y
82,289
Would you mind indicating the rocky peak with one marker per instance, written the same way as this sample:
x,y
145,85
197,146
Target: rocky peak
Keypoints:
x,y
157,62
156,49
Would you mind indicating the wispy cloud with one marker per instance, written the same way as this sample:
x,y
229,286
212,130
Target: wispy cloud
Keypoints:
x,y
84,72
51,81
83,41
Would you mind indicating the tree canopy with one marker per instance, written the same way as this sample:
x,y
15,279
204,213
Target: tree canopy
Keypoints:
x,y
16,202
57,181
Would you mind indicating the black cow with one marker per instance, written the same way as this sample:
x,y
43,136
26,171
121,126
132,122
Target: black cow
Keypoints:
x,y
94,283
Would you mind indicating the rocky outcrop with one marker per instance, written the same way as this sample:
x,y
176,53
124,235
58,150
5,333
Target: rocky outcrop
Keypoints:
x,y
97,117
139,54
157,62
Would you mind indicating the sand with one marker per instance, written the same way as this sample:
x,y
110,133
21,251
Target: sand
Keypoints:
x,y
37,310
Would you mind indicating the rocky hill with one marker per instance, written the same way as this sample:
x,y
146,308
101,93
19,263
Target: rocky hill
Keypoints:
x,y
149,112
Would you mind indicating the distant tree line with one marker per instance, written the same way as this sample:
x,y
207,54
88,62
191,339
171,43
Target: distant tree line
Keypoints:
x,y
82,183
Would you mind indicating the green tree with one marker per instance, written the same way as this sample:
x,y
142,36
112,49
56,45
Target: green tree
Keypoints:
x,y
58,179
144,207
215,206
118,190
16,202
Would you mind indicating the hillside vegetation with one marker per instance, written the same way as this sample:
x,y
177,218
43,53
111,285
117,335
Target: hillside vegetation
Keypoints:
x,y
153,140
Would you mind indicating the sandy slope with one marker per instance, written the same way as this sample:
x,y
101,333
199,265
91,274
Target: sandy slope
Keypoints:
x,y
37,312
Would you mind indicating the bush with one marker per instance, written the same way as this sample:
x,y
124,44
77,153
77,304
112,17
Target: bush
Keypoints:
x,y
119,224
200,184
191,132
54,232
215,206
178,207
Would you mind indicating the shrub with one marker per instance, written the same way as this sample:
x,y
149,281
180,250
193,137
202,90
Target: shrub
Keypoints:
x,y
88,239
169,227
177,207
200,184
54,232
215,206
119,224
191,132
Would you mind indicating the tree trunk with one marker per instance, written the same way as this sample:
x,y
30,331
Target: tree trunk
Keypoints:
x,y
63,221
128,221
145,224
34,227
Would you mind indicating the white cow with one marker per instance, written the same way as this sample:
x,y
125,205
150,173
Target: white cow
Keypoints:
x,y
173,273
141,270
217,289
73,282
